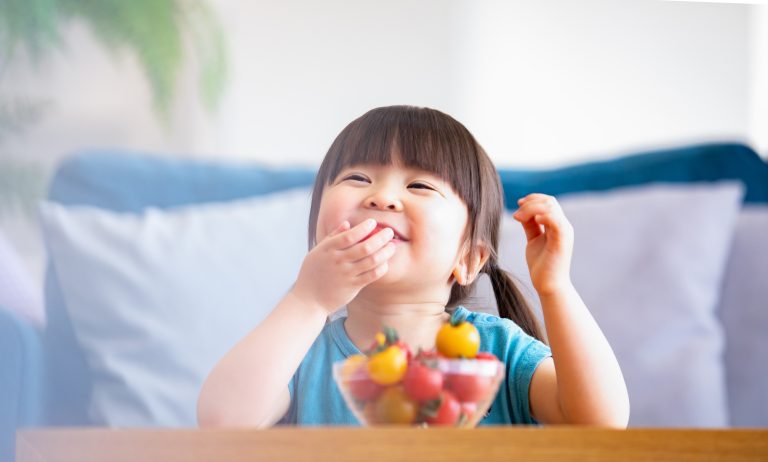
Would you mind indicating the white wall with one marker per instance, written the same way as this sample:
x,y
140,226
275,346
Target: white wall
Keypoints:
x,y
304,70
539,82
548,82
758,121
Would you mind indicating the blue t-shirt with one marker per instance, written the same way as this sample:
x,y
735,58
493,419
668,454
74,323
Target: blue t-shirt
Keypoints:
x,y
316,400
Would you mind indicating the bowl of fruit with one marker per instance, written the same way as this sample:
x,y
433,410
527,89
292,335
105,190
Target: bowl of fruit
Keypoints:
x,y
451,385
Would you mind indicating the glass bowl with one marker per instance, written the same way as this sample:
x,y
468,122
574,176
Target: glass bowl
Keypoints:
x,y
455,392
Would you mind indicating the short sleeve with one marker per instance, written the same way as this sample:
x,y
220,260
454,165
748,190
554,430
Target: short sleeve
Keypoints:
x,y
524,356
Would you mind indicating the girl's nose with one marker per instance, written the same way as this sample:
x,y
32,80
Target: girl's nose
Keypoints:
x,y
383,201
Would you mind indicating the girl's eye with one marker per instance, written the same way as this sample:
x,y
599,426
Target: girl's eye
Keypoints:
x,y
421,186
356,177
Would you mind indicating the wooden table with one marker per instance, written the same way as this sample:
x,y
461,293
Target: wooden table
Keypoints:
x,y
523,444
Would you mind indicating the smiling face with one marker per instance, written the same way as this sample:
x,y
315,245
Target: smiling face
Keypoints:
x,y
428,217
424,174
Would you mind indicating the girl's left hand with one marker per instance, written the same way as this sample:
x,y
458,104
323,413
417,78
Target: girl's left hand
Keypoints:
x,y
550,242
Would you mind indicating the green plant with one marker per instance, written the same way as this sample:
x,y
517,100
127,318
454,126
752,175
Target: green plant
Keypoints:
x,y
158,32
155,30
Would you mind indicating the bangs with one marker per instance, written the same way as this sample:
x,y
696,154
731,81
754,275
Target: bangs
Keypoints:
x,y
423,139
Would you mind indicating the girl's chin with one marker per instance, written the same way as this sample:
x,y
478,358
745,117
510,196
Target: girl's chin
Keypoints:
x,y
396,279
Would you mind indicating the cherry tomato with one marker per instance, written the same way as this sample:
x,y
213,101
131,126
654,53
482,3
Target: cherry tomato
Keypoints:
x,y
458,340
354,374
395,407
467,387
363,388
422,383
388,366
448,411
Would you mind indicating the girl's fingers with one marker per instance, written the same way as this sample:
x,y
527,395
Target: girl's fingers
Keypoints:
x,y
556,228
532,229
532,196
348,238
539,213
375,259
342,227
370,245
536,206
373,274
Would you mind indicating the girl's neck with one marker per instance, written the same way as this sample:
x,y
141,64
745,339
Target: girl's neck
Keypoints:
x,y
416,323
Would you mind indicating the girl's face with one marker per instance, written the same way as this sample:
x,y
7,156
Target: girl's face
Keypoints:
x,y
428,218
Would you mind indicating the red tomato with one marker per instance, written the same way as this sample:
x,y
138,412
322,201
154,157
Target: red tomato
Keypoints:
x,y
422,383
468,387
447,413
362,387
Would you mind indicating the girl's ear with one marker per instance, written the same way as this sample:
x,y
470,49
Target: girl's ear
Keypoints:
x,y
466,269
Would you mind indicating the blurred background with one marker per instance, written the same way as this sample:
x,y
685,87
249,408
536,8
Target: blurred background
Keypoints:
x,y
224,96
539,83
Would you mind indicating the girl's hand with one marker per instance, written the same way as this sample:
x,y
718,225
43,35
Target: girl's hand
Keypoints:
x,y
550,242
335,270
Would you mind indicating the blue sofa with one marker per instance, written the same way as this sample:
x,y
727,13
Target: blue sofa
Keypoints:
x,y
44,378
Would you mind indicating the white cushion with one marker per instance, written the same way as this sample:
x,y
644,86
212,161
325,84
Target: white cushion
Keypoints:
x,y
744,312
648,262
156,299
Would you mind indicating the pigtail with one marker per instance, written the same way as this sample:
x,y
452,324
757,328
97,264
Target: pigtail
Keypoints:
x,y
512,305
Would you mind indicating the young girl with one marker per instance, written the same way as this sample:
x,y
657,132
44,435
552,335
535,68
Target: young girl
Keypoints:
x,y
405,214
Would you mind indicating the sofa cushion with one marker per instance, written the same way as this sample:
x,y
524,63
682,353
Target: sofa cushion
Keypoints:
x,y
648,262
131,182
156,298
744,313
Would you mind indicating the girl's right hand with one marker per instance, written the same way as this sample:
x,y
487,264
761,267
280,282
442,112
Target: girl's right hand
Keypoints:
x,y
338,267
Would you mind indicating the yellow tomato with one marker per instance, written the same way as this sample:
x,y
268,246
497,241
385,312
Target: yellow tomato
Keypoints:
x,y
394,407
458,341
388,366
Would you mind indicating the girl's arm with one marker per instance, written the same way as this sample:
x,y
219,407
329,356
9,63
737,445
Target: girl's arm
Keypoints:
x,y
582,383
249,385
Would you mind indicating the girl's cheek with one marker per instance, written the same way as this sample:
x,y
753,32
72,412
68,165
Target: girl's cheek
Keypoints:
x,y
324,217
327,222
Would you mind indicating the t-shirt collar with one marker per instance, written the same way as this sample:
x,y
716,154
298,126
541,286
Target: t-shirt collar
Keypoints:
x,y
342,340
